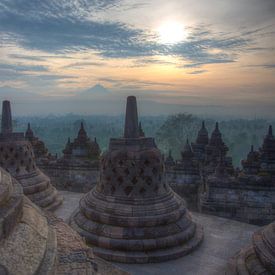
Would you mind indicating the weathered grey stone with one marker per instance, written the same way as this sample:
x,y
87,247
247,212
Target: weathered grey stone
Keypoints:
x,y
17,157
126,216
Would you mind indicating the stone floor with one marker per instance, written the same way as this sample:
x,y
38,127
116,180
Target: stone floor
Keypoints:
x,y
222,239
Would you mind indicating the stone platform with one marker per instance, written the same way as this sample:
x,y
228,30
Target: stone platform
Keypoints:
x,y
223,238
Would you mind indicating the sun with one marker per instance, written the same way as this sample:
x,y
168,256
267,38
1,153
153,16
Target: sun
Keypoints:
x,y
171,32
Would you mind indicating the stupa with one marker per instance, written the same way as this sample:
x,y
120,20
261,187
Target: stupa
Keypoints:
x,y
216,149
201,143
82,148
251,165
36,243
132,215
259,257
17,157
39,148
267,152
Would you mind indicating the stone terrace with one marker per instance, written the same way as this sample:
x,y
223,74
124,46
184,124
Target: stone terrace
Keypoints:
x,y
223,238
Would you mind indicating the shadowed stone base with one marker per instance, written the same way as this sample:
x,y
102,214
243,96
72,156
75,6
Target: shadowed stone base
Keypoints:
x,y
38,189
156,230
160,255
259,258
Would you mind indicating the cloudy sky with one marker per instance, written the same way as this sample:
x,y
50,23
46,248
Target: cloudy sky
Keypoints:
x,y
200,52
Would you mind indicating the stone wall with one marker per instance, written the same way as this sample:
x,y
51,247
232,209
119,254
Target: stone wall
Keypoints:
x,y
250,204
71,177
186,186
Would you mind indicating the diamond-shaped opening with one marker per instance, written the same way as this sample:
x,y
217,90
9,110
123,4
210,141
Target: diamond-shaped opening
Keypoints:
x,y
142,191
147,162
120,162
149,180
114,170
128,190
155,170
113,190
134,180
120,179
126,171
141,171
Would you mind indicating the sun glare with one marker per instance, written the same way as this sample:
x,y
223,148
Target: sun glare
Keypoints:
x,y
171,32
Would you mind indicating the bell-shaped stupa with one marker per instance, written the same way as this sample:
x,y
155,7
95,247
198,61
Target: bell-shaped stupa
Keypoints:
x,y
17,157
259,257
132,215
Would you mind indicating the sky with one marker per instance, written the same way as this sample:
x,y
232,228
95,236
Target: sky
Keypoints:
x,y
184,52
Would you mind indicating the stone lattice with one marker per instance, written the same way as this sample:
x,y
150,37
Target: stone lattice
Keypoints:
x,y
36,243
17,157
132,215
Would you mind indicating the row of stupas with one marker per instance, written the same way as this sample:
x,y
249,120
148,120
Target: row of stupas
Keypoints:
x,y
206,178
130,216
17,158
33,241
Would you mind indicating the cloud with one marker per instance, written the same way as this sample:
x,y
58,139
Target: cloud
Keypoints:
x,y
71,25
23,68
84,64
199,72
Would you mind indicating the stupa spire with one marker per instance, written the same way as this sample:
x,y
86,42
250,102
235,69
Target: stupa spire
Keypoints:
x,y
131,128
6,118
270,131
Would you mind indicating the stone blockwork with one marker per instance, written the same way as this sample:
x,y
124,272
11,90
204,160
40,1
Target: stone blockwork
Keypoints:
x,y
258,258
17,157
36,242
250,195
198,161
72,176
184,176
78,169
246,199
132,215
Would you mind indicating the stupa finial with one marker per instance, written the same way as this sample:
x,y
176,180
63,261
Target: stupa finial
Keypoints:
x,y
6,118
270,131
131,129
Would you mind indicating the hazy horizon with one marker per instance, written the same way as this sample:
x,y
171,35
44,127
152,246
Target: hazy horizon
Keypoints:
x,y
183,56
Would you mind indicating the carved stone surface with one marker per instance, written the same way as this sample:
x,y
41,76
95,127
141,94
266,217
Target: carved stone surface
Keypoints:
x,y
35,242
258,258
184,177
132,215
247,198
17,157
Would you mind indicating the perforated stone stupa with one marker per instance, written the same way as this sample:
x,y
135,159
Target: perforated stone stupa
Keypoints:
x,y
259,257
17,157
132,215
36,243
